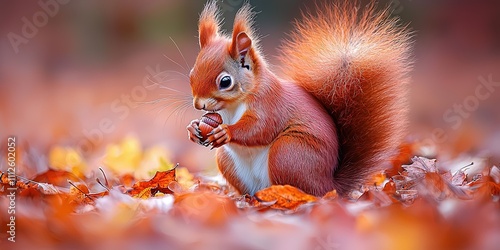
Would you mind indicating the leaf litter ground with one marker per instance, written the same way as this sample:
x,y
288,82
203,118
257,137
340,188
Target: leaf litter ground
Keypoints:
x,y
414,206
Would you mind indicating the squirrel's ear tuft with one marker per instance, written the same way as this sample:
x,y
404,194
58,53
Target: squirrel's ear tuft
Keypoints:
x,y
242,31
209,23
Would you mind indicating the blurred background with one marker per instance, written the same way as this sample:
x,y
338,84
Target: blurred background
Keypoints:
x,y
84,74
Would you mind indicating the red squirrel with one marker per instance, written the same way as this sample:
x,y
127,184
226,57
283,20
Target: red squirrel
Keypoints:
x,y
335,115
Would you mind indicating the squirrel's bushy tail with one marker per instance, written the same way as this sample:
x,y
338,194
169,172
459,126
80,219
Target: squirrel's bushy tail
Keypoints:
x,y
355,60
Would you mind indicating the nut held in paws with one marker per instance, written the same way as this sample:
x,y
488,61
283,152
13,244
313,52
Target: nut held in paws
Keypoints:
x,y
208,122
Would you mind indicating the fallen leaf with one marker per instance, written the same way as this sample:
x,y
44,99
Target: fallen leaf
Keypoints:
x,y
80,194
287,197
159,183
379,179
487,186
459,178
125,157
56,177
377,197
184,177
67,159
390,188
47,188
128,158
127,180
420,166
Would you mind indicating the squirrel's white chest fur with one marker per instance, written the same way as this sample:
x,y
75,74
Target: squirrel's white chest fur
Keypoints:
x,y
250,163
233,114
250,166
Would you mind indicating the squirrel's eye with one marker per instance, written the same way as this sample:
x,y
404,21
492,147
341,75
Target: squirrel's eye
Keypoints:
x,y
225,82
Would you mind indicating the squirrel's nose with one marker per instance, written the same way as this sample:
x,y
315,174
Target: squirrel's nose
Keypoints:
x,y
198,104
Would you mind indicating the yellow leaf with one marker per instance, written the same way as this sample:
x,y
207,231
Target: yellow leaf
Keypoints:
x,y
184,177
125,157
379,179
67,159
145,193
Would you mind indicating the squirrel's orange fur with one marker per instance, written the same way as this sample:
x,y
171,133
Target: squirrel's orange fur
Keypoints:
x,y
335,117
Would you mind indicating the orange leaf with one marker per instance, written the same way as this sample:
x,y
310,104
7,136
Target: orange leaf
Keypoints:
x,y
56,177
286,197
127,180
159,183
378,179
80,194
487,186
390,188
32,192
332,195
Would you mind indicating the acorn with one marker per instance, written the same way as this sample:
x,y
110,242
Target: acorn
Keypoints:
x,y
208,122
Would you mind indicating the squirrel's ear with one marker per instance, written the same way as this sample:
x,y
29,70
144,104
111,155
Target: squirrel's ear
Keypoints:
x,y
242,32
209,23
242,44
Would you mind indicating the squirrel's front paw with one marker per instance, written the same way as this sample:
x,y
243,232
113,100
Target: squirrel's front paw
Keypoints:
x,y
194,132
219,136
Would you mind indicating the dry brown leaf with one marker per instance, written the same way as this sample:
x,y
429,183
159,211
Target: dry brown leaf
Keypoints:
x,y
127,180
32,192
390,188
286,197
56,177
487,187
80,194
159,183
459,178
422,177
377,197
420,166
